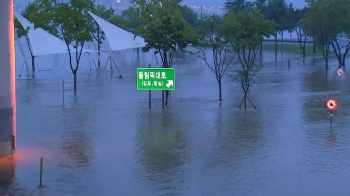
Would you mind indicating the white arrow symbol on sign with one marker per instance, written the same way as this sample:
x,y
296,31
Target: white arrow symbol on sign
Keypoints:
x,y
170,83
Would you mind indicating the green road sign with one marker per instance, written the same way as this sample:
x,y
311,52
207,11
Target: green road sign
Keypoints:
x,y
155,79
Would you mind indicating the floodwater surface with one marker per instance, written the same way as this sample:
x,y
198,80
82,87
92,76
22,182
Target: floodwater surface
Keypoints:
x,y
105,140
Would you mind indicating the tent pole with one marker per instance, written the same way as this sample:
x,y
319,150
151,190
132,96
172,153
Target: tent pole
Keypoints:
x,y
29,73
110,64
112,60
105,65
98,56
90,64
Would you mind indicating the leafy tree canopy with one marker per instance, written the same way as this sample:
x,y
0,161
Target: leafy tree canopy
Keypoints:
x,y
163,28
238,5
277,10
190,16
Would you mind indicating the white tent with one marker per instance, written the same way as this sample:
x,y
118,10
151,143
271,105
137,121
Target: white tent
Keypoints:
x,y
118,38
39,39
43,43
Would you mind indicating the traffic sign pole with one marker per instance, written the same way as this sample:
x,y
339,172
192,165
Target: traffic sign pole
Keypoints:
x,y
149,94
331,104
155,79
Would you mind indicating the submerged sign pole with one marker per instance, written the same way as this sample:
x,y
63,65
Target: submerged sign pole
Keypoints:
x,y
332,105
149,94
155,79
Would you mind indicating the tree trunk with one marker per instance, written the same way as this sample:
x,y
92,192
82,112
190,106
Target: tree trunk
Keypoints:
x,y
33,64
220,91
313,46
138,50
304,52
99,56
245,100
282,38
344,56
276,46
75,79
166,98
98,48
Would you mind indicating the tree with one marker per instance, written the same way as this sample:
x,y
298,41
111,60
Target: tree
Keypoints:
x,y
117,20
164,30
324,21
190,16
297,16
131,18
217,37
277,10
261,5
290,26
32,7
238,5
339,10
253,27
70,19
97,33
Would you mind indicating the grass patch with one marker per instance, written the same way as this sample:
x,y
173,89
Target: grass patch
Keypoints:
x,y
292,48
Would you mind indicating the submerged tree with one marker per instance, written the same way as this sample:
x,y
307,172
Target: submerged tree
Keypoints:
x,y
339,11
97,33
71,22
325,20
277,10
164,30
31,8
253,27
297,16
216,37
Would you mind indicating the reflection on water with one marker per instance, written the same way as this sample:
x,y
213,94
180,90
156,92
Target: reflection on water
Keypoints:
x,y
105,140
7,174
332,137
162,150
77,138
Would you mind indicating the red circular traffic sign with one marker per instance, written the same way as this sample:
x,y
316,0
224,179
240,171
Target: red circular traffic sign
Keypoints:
x,y
332,104
340,72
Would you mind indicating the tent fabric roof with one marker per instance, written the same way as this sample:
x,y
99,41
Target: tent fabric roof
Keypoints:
x,y
42,42
118,38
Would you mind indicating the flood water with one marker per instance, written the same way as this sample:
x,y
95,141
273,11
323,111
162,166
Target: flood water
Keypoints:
x,y
105,140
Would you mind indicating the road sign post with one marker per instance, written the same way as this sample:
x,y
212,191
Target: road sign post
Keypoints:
x,y
332,105
149,94
156,79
